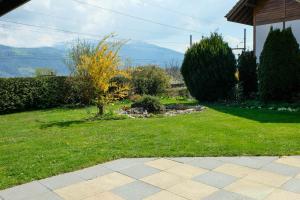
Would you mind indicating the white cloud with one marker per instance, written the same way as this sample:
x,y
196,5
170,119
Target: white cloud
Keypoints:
x,y
200,15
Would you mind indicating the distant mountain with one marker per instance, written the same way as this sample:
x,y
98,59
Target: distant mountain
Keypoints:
x,y
15,62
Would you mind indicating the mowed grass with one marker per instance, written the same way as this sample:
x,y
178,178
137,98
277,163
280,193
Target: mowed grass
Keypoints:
x,y
39,144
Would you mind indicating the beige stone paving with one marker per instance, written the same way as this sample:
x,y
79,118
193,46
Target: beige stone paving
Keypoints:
x,y
250,189
295,162
165,179
282,195
235,170
165,195
162,164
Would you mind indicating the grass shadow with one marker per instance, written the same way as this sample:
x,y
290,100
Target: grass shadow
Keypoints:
x,y
259,115
62,124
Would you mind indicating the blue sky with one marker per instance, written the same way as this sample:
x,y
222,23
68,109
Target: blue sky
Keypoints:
x,y
201,16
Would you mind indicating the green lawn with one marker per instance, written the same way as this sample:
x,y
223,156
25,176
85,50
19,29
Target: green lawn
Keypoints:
x,y
39,144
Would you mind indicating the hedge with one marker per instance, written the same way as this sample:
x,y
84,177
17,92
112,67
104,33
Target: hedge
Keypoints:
x,y
18,94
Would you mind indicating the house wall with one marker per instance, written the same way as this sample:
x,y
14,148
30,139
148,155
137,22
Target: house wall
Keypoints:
x,y
276,13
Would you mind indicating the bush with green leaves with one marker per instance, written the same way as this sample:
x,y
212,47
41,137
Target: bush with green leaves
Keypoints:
x,y
150,80
248,74
149,103
279,66
18,94
209,69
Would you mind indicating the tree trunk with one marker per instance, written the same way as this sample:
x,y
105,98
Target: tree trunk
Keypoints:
x,y
100,109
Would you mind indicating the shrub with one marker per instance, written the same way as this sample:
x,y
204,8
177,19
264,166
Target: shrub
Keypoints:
x,y
17,94
149,103
208,69
248,73
279,66
150,80
178,92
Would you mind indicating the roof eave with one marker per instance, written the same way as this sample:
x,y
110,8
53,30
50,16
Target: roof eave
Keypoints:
x,y
9,5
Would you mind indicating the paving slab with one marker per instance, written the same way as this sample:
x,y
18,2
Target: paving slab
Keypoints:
x,y
292,185
208,178
215,179
137,190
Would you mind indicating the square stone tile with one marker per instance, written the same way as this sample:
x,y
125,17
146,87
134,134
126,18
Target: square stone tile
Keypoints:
x,y
78,191
215,179
61,181
162,164
225,195
292,185
163,180
118,165
292,161
267,178
186,171
182,159
206,163
139,171
164,195
111,181
192,190
282,195
250,189
46,196
105,196
234,170
137,190
298,176
253,162
26,191
93,172
282,169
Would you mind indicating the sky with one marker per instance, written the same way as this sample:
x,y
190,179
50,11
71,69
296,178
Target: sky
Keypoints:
x,y
166,23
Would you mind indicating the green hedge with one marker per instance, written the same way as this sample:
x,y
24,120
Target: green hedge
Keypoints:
x,y
17,94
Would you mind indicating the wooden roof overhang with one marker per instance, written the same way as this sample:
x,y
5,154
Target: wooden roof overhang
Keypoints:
x,y
242,12
9,5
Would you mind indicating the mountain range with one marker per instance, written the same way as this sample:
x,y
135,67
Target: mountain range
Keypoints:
x,y
22,62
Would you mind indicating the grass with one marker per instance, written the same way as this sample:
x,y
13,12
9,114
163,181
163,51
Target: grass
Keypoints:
x,y
39,144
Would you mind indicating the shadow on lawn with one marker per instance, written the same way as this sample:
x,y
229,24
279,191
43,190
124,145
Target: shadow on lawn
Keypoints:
x,y
260,115
61,124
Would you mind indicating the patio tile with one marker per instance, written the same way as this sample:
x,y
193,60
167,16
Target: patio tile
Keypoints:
x,y
61,181
234,170
215,179
139,171
268,178
137,190
280,195
186,171
105,196
111,181
122,164
250,189
93,172
192,190
164,195
162,164
225,195
163,180
26,191
206,163
251,162
78,191
282,169
182,159
292,185
46,196
298,176
292,161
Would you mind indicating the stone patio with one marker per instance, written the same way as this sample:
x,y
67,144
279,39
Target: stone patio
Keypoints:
x,y
223,178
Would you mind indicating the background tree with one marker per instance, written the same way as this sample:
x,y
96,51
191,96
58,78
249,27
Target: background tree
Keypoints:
x,y
44,71
208,69
247,67
150,80
279,66
81,90
102,66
